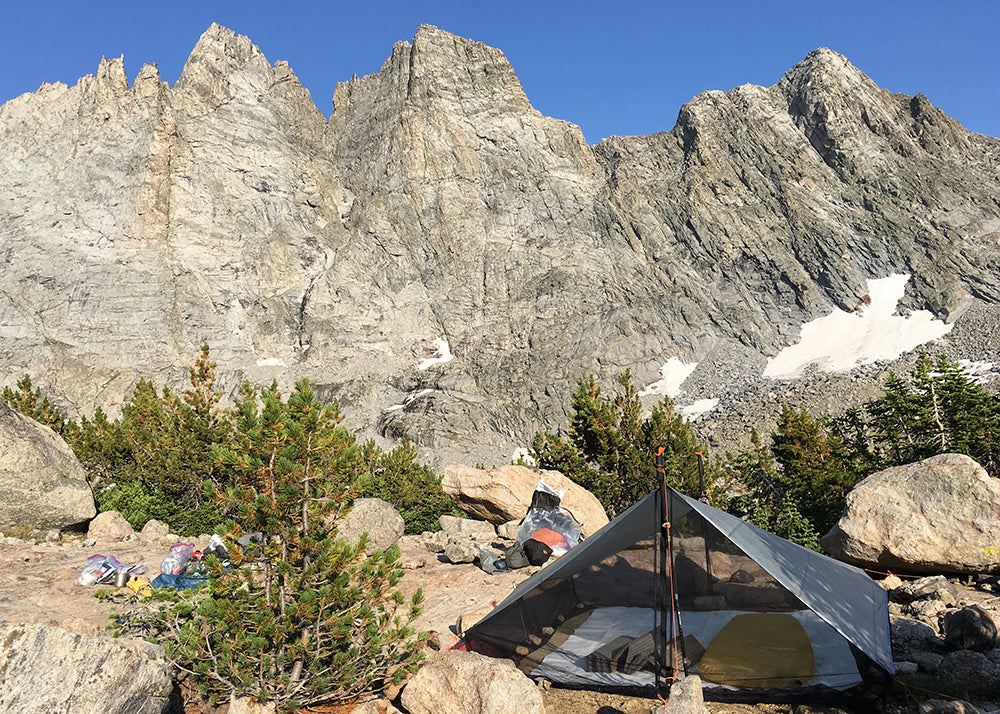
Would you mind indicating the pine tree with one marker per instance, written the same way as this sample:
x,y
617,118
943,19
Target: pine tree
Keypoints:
x,y
815,466
610,446
31,403
309,618
938,408
753,479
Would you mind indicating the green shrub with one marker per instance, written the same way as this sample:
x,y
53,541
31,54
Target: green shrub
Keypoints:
x,y
313,620
414,489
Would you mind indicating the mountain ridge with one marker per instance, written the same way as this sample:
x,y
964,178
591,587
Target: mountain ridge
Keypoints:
x,y
436,204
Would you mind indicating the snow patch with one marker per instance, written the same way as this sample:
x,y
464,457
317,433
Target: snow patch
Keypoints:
x,y
443,355
410,398
843,340
672,376
271,362
523,455
698,408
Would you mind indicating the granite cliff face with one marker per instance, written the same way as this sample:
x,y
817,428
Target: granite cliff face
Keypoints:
x,y
445,261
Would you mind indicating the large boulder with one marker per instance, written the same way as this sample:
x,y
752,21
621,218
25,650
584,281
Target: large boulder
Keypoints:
x,y
939,515
469,683
46,669
42,485
504,493
378,518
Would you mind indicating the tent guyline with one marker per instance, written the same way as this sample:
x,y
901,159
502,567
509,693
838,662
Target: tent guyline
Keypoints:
x,y
673,587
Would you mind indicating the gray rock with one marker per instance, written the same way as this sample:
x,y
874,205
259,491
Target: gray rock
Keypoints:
x,y
913,634
508,530
42,485
969,669
461,551
936,587
469,683
434,541
970,628
937,515
906,667
438,204
96,675
926,609
458,528
928,661
685,697
154,530
379,519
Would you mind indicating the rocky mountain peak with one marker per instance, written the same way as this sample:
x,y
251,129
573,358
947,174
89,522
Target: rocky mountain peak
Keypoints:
x,y
223,67
443,260
445,67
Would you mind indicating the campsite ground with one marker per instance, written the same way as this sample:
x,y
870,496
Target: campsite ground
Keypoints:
x,y
36,585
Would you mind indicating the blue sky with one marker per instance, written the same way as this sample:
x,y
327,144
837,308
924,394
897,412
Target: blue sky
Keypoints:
x,y
613,67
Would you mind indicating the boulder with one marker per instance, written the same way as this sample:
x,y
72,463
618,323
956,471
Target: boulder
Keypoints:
x,y
379,519
970,628
969,669
470,683
47,669
467,528
927,661
110,527
937,515
504,493
42,485
909,634
154,530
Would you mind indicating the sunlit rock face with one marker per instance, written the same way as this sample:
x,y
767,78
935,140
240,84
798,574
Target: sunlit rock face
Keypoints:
x,y
446,262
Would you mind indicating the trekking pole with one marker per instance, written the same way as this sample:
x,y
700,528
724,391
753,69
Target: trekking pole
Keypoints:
x,y
661,472
704,499
701,478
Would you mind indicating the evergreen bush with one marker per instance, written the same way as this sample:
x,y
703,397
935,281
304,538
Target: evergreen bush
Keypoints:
x,y
307,618
610,445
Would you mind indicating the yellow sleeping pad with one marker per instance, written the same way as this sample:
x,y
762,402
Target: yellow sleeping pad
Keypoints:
x,y
769,650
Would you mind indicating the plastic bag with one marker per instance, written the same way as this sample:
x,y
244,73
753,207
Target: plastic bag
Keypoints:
x,y
545,513
177,559
99,569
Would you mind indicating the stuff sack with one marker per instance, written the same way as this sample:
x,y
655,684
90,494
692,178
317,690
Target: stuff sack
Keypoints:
x,y
515,557
176,560
536,551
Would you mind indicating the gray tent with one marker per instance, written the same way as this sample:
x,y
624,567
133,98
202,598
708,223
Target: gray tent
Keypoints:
x,y
674,586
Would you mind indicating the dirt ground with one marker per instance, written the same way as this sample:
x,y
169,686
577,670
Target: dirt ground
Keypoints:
x,y
36,585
